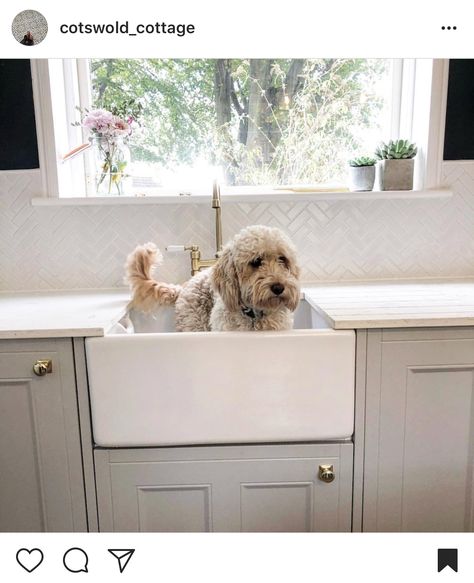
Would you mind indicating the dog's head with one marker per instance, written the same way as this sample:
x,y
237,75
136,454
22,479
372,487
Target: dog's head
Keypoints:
x,y
258,269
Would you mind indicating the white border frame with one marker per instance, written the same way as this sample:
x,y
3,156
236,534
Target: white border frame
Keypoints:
x,y
429,118
438,122
54,115
425,107
44,128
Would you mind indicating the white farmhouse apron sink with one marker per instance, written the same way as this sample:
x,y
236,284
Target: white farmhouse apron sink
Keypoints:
x,y
167,388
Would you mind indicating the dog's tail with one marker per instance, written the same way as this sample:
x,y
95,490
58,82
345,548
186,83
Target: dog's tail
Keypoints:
x,y
147,293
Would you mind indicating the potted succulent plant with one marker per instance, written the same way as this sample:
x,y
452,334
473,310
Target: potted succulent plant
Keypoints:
x,y
396,164
361,174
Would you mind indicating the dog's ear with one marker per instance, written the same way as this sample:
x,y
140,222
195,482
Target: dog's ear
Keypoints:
x,y
225,282
293,266
294,269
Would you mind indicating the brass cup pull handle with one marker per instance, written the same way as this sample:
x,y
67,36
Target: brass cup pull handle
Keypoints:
x,y
43,367
326,473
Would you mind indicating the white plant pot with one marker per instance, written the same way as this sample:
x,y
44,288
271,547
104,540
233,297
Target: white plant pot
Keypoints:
x,y
361,178
396,174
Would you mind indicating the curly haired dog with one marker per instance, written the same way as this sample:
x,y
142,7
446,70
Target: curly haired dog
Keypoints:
x,y
252,286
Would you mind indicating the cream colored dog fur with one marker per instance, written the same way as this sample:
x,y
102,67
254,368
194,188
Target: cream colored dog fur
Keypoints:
x,y
252,286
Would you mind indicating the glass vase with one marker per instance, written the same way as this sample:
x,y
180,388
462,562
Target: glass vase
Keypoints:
x,y
111,165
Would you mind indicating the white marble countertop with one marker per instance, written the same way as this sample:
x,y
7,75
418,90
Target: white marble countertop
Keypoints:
x,y
60,314
370,304
394,304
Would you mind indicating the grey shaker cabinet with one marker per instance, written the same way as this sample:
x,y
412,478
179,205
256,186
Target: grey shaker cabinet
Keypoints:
x,y
224,488
419,430
414,452
41,476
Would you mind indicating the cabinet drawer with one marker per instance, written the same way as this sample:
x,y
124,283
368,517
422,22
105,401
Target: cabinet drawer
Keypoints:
x,y
226,489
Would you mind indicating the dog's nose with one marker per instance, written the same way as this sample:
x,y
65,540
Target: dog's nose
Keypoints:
x,y
277,288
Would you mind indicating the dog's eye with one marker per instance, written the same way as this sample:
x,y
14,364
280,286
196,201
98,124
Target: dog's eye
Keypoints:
x,y
255,263
283,259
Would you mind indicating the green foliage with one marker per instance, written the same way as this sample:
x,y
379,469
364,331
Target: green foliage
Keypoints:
x,y
308,140
263,121
395,150
128,109
362,161
176,98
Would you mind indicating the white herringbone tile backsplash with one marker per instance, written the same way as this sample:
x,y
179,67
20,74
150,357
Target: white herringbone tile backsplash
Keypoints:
x,y
86,246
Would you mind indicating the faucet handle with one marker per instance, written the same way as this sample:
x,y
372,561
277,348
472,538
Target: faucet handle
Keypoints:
x,y
181,248
176,248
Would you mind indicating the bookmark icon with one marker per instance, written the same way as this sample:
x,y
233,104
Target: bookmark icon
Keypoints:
x,y
123,556
448,558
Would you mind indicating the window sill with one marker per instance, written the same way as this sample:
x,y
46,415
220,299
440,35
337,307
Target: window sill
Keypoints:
x,y
280,196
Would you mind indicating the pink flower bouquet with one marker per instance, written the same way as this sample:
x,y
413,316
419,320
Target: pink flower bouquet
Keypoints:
x,y
105,124
108,134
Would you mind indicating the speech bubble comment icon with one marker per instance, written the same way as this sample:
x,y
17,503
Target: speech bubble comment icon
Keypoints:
x,y
75,560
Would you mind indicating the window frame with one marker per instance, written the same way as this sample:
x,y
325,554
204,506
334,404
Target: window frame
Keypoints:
x,y
419,95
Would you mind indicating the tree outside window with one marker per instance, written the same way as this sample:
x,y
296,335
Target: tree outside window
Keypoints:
x,y
256,121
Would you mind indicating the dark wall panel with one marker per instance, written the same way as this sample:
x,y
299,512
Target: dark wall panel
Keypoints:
x,y
459,134
18,144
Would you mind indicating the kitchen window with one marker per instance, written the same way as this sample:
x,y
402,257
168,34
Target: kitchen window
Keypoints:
x,y
254,124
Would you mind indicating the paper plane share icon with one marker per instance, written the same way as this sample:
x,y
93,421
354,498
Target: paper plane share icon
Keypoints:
x,y
123,556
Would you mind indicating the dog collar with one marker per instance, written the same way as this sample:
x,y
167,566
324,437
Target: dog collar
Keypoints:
x,y
251,313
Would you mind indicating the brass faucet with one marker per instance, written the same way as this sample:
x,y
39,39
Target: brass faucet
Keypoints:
x,y
216,204
196,262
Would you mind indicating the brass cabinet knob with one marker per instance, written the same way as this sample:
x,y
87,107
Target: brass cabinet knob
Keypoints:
x,y
326,473
43,367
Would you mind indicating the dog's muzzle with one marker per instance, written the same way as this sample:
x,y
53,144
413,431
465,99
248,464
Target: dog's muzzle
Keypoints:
x,y
277,288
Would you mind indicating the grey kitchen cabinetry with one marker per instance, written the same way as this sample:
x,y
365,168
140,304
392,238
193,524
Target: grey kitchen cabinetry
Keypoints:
x,y
419,430
225,488
41,476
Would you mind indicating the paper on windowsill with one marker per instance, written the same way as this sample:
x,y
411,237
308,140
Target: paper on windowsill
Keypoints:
x,y
313,188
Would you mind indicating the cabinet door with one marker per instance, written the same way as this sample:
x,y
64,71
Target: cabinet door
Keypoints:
x,y
419,432
41,482
254,491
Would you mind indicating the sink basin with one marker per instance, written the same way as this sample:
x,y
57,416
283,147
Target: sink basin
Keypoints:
x,y
166,388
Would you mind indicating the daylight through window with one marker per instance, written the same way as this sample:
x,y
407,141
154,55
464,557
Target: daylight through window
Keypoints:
x,y
246,122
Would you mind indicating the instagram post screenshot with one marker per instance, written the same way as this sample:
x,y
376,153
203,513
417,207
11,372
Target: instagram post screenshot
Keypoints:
x,y
236,291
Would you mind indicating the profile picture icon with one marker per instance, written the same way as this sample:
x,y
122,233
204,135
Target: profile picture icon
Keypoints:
x,y
29,27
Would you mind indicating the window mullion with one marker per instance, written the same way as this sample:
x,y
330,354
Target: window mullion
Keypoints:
x,y
397,85
407,100
75,136
85,100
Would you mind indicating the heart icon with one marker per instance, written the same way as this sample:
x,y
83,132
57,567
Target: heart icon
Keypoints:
x,y
29,559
